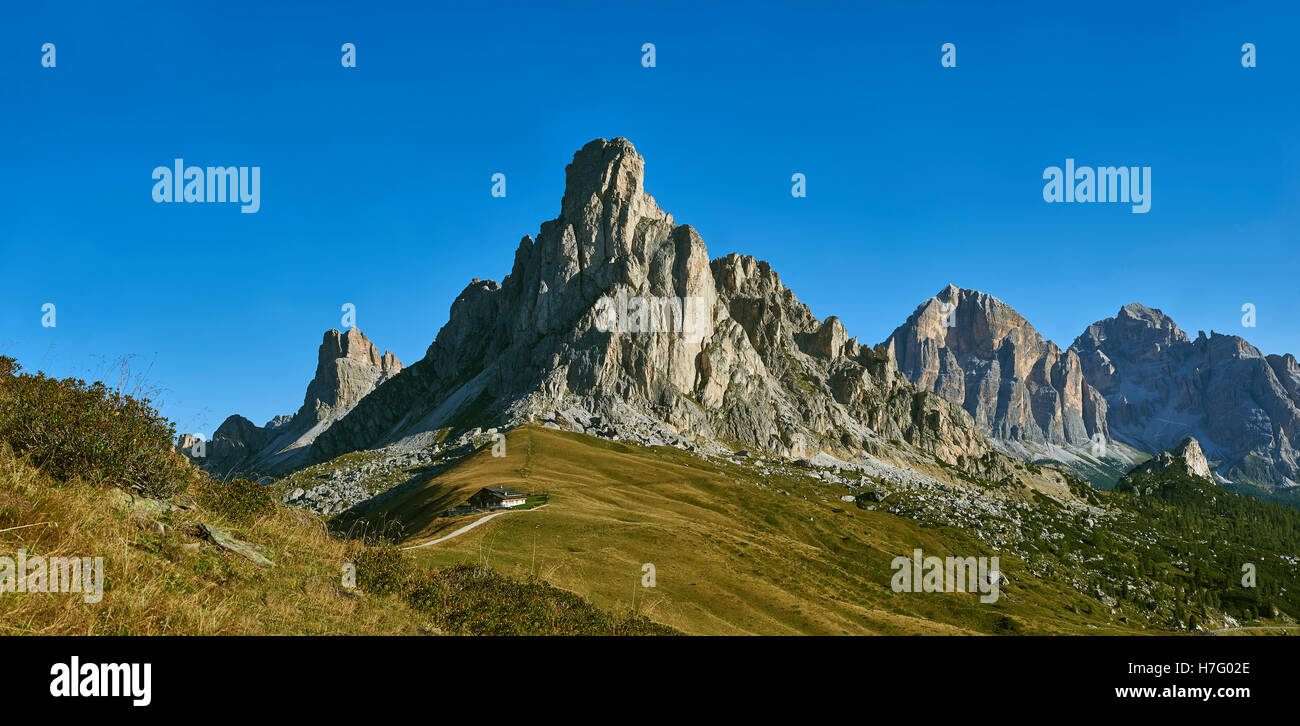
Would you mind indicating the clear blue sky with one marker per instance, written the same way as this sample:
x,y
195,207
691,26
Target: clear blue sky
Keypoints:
x,y
375,180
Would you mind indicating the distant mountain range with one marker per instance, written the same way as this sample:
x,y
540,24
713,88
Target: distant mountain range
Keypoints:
x,y
1134,379
1028,396
719,355
1161,387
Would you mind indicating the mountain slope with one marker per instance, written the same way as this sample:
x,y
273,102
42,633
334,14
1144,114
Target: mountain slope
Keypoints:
x,y
1236,554
161,578
739,545
756,544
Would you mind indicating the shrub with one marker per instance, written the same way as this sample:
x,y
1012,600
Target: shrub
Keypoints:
x,y
382,568
1007,625
468,599
239,500
71,429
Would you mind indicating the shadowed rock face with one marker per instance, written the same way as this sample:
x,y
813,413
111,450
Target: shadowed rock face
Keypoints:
x,y
751,365
979,353
348,368
1162,387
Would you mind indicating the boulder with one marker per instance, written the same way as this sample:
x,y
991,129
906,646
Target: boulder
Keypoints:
x,y
248,551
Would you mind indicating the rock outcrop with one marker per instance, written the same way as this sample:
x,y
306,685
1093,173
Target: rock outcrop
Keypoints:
x,y
979,353
614,321
1162,387
348,368
1186,458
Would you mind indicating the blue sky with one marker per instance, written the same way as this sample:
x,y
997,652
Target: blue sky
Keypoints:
x,y
375,181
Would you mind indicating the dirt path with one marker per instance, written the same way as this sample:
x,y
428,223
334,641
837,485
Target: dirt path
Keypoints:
x,y
472,525
1255,627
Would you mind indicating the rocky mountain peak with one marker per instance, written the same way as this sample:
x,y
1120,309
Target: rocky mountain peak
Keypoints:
x,y
1190,452
1138,311
980,323
348,367
605,170
1161,387
355,346
562,340
1134,327
238,427
733,358
1287,371
978,352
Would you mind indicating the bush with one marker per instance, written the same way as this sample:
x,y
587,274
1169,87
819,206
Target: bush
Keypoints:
x,y
71,429
1007,625
468,599
239,500
382,569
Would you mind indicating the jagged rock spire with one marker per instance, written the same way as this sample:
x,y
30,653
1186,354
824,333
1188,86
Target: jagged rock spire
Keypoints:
x,y
348,368
755,366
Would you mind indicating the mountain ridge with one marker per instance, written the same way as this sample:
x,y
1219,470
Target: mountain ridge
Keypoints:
x,y
569,338
1162,386
748,370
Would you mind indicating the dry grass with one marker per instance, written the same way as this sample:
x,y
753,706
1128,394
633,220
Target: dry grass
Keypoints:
x,y
175,583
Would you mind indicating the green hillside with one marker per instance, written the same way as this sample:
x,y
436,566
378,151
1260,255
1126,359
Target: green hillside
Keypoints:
x,y
734,551
1215,537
